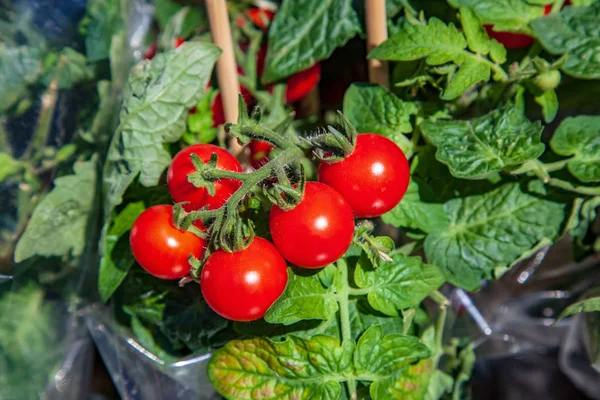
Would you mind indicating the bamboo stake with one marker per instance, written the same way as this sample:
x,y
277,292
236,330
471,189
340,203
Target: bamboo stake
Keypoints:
x,y
226,66
376,34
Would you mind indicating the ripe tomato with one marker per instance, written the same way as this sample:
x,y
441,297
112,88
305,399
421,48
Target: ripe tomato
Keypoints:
x,y
373,179
178,41
317,231
162,249
151,51
182,190
241,286
259,17
512,40
298,85
218,113
259,153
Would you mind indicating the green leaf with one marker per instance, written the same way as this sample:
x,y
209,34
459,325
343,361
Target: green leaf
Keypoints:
x,y
383,356
439,384
155,106
398,284
441,44
294,368
102,20
305,32
8,166
414,213
66,68
590,303
437,42
363,317
504,15
194,325
549,103
194,18
469,73
19,67
574,32
117,258
411,384
182,24
304,297
579,137
58,225
374,109
477,38
467,361
491,230
473,149
585,212
31,348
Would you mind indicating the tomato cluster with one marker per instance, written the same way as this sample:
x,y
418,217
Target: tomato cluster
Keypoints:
x,y
317,231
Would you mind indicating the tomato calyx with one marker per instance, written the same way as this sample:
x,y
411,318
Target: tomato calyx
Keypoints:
x,y
285,195
376,247
336,143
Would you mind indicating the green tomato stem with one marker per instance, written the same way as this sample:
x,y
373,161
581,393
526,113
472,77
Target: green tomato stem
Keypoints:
x,y
342,298
443,302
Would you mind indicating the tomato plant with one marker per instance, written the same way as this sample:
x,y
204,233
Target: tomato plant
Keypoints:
x,y
242,285
344,231
373,179
183,191
317,231
160,247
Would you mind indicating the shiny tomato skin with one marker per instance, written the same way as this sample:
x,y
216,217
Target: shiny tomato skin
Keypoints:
x,y
373,179
510,40
178,41
241,286
298,85
316,232
260,17
160,247
181,190
259,153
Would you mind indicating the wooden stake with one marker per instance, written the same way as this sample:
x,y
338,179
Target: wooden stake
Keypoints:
x,y
226,65
376,34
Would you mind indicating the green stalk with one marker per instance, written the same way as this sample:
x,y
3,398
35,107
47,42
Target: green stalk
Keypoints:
x,y
342,298
443,302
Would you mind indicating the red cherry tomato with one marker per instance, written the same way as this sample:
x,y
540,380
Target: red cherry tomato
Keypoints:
x,y
317,231
512,40
182,190
150,51
301,83
260,17
259,153
298,85
218,113
178,41
241,286
373,179
162,249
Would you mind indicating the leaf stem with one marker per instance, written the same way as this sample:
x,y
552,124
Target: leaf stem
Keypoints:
x,y
585,190
342,298
443,302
